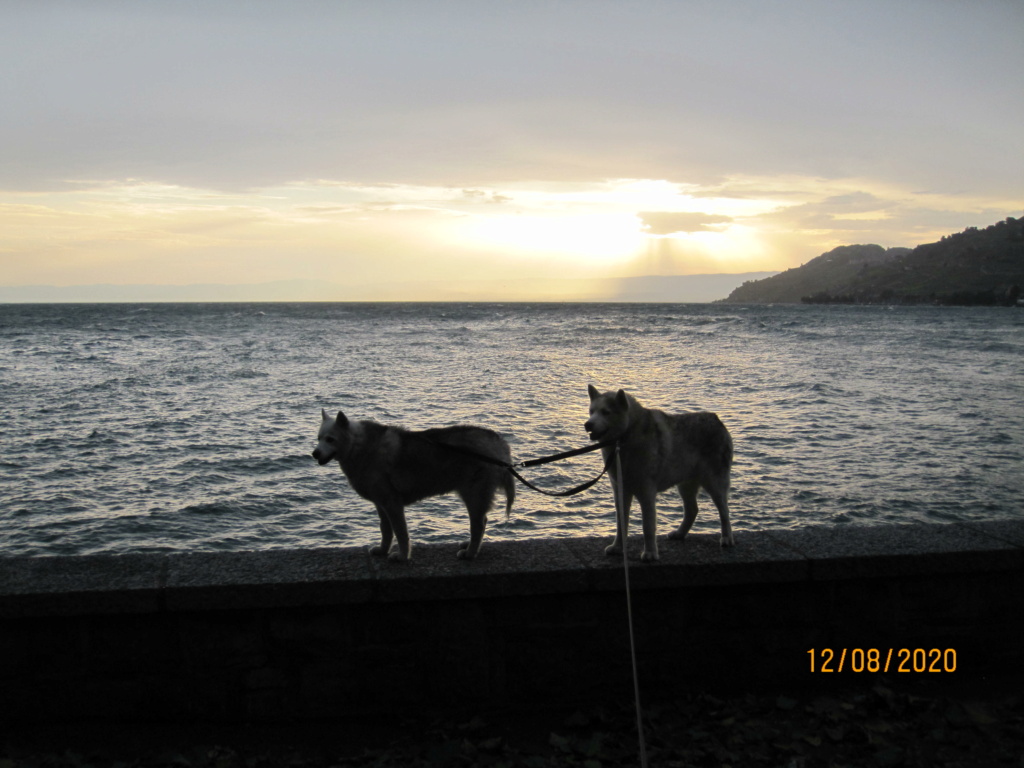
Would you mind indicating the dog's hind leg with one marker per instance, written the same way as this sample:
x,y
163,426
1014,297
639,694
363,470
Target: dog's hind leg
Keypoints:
x,y
689,493
477,524
386,534
478,504
719,493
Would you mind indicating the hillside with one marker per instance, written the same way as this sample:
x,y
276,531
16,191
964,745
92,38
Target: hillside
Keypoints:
x,y
975,266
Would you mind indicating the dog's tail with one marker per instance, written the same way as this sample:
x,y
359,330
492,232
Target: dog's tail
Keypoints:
x,y
509,483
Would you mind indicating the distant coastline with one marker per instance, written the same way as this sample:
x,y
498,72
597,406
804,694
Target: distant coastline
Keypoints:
x,y
695,289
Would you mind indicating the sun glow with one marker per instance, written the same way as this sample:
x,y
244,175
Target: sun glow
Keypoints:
x,y
602,226
596,239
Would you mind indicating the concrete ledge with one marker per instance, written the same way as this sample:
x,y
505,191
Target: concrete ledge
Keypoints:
x,y
216,580
55,586
902,550
44,586
324,632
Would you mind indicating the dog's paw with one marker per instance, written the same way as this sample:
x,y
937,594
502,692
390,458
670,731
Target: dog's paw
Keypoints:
x,y
728,541
397,557
378,551
463,554
676,535
648,557
613,549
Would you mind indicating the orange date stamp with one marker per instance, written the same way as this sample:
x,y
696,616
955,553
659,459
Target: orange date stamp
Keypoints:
x,y
898,660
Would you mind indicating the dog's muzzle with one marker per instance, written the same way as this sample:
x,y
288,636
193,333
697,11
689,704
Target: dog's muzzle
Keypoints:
x,y
321,457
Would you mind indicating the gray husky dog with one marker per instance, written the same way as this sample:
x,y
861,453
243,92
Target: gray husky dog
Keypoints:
x,y
659,450
394,467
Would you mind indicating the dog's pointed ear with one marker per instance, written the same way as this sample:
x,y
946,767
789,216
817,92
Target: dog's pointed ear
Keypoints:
x,y
622,399
323,414
342,420
592,390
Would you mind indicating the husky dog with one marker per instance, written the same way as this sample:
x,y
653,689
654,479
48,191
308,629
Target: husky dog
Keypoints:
x,y
660,450
393,467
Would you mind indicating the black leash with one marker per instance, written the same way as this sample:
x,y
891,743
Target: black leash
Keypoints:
x,y
572,491
566,454
536,462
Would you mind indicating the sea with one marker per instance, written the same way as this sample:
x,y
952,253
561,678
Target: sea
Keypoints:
x,y
189,427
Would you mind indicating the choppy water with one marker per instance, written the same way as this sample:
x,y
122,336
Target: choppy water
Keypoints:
x,y
189,427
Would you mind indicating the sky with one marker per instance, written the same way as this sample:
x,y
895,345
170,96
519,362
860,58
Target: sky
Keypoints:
x,y
364,145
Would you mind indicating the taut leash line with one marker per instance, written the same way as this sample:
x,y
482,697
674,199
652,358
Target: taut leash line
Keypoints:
x,y
566,454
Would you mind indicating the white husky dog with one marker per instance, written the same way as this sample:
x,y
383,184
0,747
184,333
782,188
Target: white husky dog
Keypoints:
x,y
658,451
394,467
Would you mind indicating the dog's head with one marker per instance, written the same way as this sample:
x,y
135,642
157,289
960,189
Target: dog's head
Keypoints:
x,y
334,440
609,414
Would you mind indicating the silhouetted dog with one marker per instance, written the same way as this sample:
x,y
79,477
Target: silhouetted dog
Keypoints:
x,y
660,450
394,467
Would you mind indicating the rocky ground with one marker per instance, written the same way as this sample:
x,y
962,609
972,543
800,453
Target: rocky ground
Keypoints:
x,y
874,724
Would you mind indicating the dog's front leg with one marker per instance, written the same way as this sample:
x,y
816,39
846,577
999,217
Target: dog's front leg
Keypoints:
x,y
386,534
649,516
395,515
621,519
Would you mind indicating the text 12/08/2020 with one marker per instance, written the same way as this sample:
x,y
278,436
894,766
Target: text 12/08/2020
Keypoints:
x,y
921,660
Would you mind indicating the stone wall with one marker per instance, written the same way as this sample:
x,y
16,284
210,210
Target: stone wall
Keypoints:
x,y
306,634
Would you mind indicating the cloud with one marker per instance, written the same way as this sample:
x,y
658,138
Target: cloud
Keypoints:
x,y
846,211
670,223
242,96
485,197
